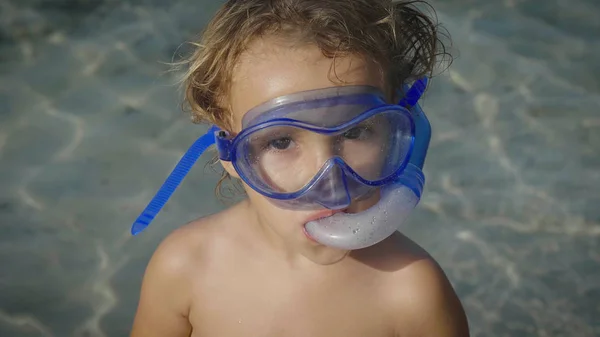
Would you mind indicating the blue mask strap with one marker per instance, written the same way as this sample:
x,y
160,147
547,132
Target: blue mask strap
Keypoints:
x,y
175,178
413,94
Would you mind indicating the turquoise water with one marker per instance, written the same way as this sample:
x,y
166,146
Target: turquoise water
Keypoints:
x,y
90,126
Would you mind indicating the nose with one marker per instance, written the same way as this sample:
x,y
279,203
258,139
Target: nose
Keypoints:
x,y
323,149
331,189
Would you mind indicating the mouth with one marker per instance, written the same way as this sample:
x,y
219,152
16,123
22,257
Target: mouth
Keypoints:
x,y
308,235
317,216
323,214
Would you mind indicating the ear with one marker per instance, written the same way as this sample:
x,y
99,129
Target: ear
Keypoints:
x,y
228,166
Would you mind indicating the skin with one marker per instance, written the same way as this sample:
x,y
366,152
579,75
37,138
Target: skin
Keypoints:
x,y
251,271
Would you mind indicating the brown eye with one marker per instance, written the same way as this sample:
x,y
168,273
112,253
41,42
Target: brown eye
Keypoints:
x,y
355,133
280,143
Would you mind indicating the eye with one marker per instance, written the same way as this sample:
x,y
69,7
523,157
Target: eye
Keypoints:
x,y
356,132
280,143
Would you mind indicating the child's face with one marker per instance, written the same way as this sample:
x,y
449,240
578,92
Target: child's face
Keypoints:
x,y
269,69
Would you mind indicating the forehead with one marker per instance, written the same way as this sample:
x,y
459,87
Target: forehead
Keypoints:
x,y
270,68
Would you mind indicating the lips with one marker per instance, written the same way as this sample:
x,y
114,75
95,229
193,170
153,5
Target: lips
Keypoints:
x,y
322,214
316,216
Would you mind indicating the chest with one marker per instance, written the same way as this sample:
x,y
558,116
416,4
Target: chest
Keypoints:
x,y
277,309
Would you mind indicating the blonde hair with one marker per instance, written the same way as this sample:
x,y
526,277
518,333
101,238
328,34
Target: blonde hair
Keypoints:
x,y
397,35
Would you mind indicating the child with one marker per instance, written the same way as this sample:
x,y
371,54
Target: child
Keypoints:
x,y
314,112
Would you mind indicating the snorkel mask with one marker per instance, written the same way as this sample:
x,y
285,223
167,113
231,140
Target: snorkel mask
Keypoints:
x,y
322,149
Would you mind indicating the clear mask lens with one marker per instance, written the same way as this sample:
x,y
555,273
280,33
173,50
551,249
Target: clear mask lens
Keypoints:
x,y
287,158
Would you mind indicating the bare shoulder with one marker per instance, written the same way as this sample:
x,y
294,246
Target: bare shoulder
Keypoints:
x,y
179,250
168,285
192,244
419,293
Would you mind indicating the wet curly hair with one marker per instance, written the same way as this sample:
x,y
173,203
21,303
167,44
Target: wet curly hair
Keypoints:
x,y
399,36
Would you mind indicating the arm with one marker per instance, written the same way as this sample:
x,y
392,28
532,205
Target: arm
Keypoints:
x,y
428,305
165,295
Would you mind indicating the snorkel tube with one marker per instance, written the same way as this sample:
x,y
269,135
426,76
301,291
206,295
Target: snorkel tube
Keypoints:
x,y
351,231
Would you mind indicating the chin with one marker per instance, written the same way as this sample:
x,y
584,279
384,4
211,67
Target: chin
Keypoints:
x,y
324,255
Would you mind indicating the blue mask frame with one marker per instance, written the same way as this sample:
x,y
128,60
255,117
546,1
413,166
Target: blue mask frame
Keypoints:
x,y
416,157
